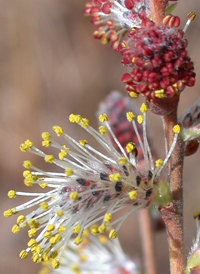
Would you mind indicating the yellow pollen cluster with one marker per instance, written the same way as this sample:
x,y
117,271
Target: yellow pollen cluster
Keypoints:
x,y
58,130
28,181
55,264
78,240
159,93
196,214
133,94
107,218
68,171
26,145
94,230
122,161
15,229
46,136
44,205
176,129
130,116
84,122
76,229
159,163
140,119
11,194
73,196
112,234
130,147
132,195
59,213
49,159
102,130
27,164
115,177
83,142
143,108
103,117
102,228
23,254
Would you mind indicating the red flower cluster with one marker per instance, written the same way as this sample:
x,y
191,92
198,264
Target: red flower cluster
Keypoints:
x,y
115,17
158,58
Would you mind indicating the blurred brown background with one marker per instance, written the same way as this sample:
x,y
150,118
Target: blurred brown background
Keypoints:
x,y
50,66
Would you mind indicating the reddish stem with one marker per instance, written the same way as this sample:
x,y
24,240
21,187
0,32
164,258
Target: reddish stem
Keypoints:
x,y
147,241
158,10
172,214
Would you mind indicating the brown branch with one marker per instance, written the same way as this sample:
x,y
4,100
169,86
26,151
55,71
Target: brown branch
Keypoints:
x,y
172,214
158,10
147,243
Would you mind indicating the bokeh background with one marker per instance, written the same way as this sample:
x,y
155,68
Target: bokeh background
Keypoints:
x,y
50,66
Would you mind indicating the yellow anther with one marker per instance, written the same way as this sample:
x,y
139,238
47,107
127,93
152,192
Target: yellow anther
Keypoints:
x,y
27,164
58,130
140,119
32,232
39,249
72,118
107,218
8,213
55,264
46,143
143,108
61,229
133,60
23,254
74,195
50,227
47,235
31,243
102,228
103,239
68,171
159,93
196,214
15,229
94,230
102,130
83,142
57,238
31,223
46,136
104,41
45,258
130,147
83,257
26,145
85,233
49,159
130,116
78,240
27,174
133,94
11,194
59,213
44,205
122,161
115,177
112,234
62,154
84,122
132,195
103,117
76,229
77,118
123,45
28,181
43,185
54,254
191,15
176,129
159,163
74,267
35,257
20,219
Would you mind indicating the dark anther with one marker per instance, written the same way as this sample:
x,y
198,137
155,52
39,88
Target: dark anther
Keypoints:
x,y
94,193
81,181
118,186
125,170
138,180
149,192
103,176
150,175
89,203
106,198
